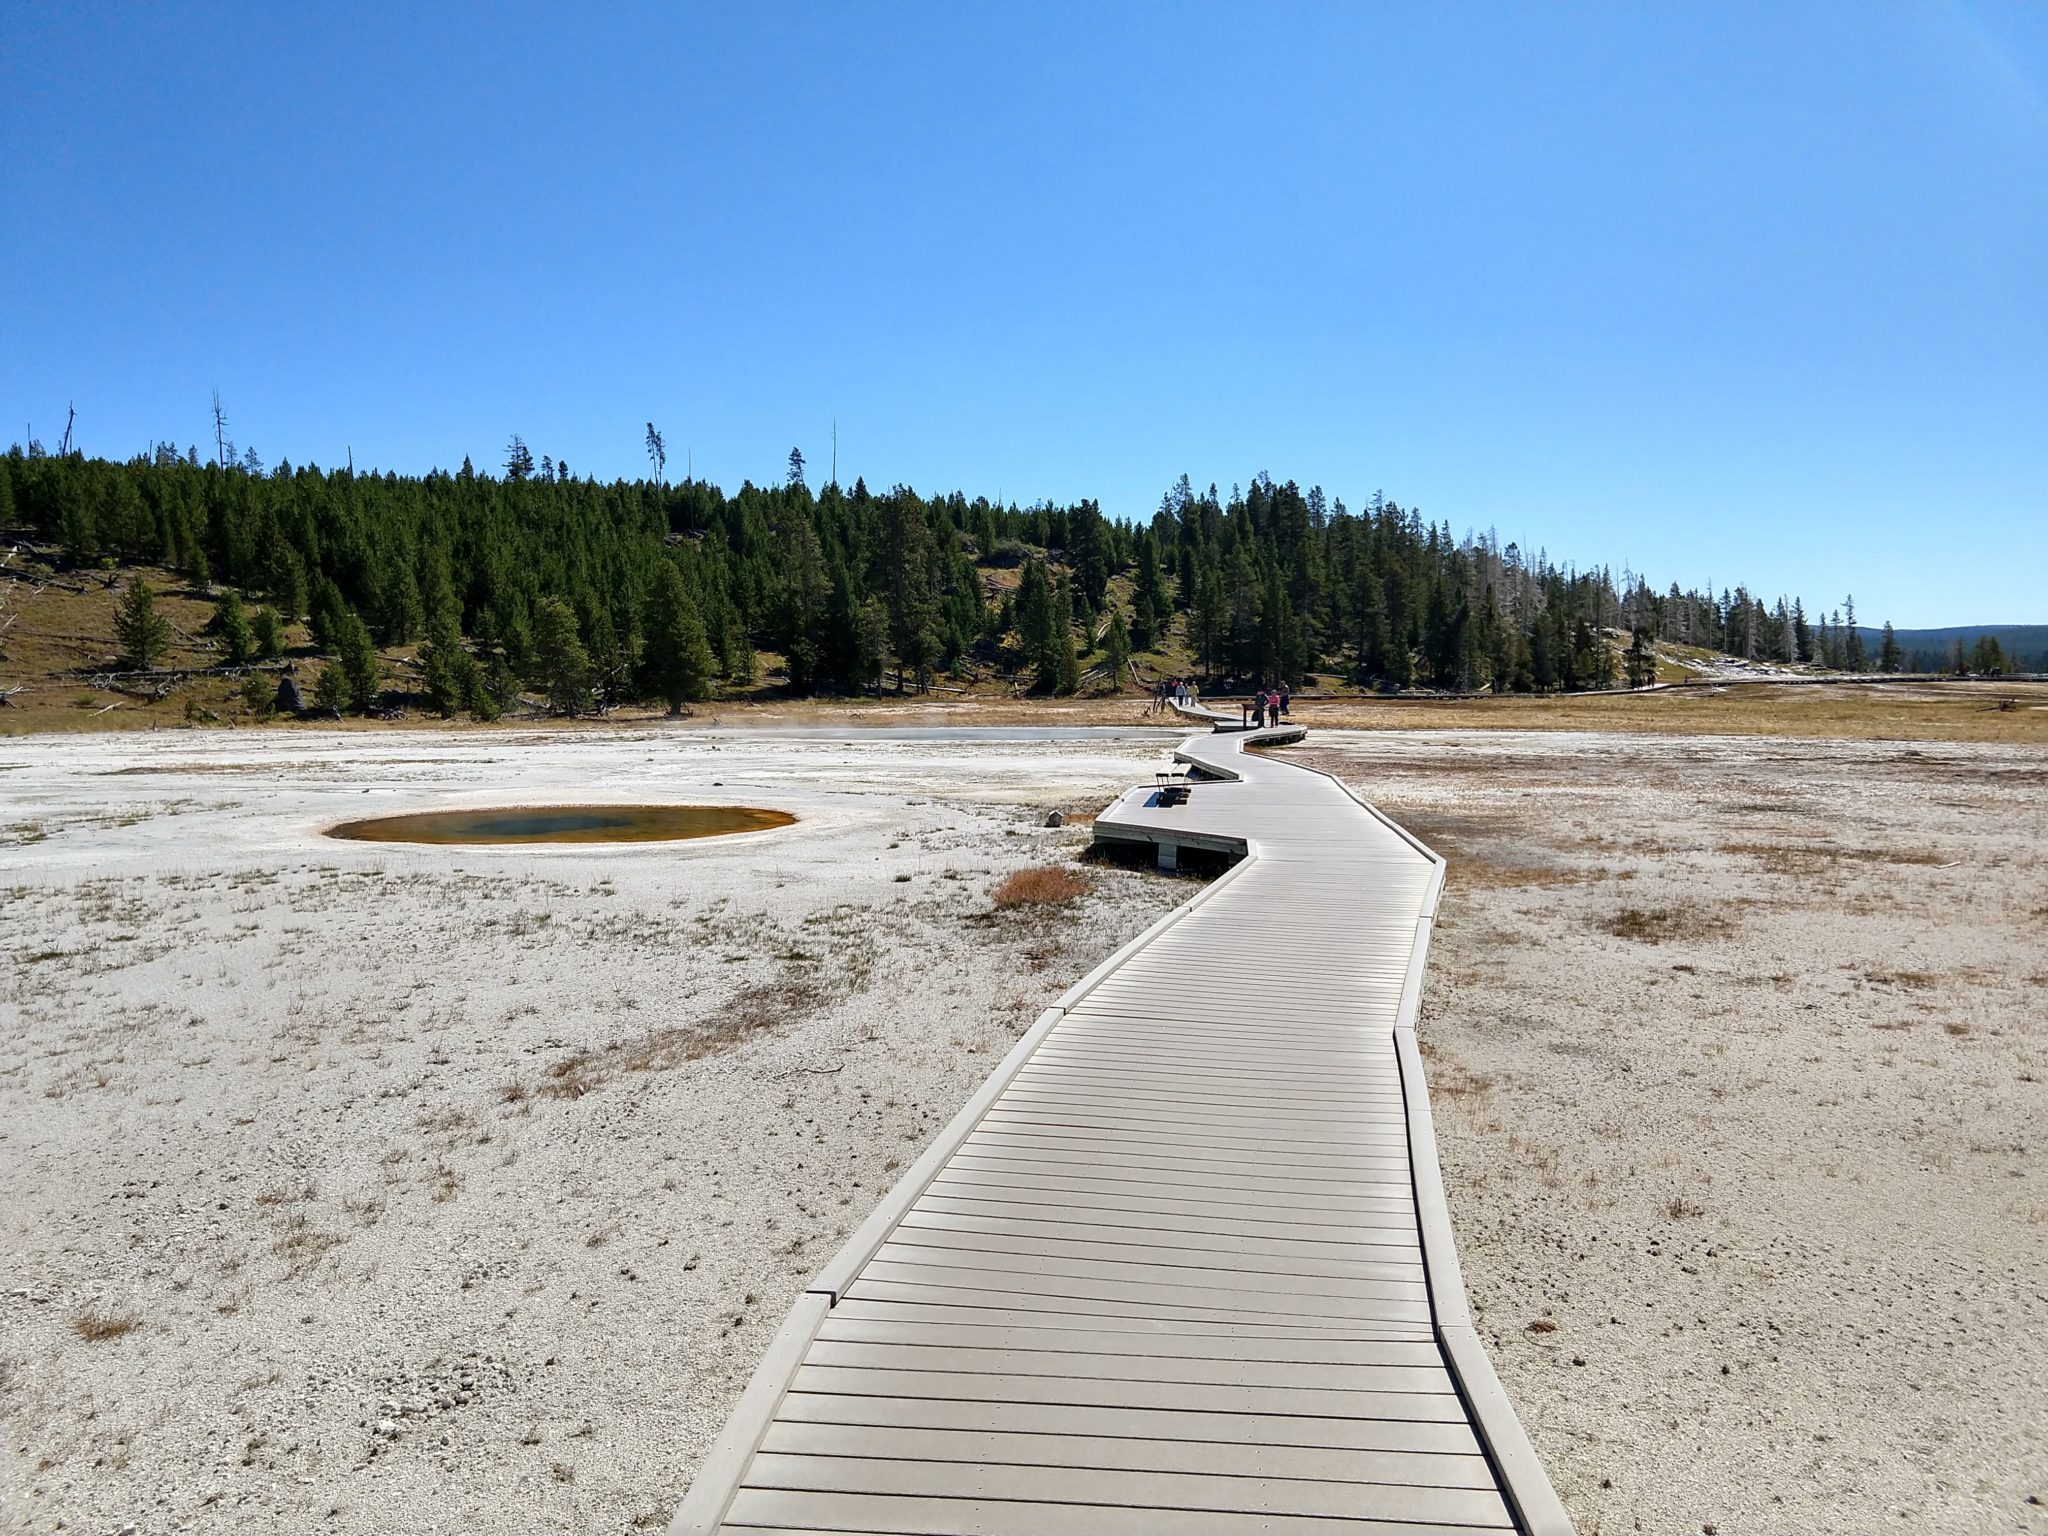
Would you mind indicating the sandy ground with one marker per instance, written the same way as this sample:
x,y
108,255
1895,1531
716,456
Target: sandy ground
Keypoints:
x,y
458,1190
1739,1052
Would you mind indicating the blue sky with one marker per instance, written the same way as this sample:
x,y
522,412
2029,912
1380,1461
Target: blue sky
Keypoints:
x,y
1724,293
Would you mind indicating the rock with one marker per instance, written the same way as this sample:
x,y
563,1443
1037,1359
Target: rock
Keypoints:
x,y
387,1429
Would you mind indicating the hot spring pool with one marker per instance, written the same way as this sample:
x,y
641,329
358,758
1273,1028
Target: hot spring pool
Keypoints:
x,y
564,824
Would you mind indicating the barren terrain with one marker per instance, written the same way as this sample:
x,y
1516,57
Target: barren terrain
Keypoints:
x,y
383,1188
1739,1053
374,1188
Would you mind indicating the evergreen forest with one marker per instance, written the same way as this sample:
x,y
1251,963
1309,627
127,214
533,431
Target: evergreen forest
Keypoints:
x,y
593,593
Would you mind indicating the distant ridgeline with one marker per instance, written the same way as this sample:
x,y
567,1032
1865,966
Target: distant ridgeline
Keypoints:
x,y
1971,648
611,591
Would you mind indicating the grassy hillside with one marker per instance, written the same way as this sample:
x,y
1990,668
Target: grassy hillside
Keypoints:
x,y
61,667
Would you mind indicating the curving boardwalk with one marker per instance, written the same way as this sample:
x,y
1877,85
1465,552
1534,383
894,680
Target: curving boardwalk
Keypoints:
x,y
1182,1266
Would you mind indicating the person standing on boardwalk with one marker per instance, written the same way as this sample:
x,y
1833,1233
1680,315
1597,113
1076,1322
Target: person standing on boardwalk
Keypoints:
x,y
1286,699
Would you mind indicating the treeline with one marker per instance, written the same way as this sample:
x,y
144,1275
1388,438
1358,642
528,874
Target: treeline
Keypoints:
x,y
603,592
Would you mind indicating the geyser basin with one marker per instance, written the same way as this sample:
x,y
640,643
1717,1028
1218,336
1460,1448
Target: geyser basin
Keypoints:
x,y
564,824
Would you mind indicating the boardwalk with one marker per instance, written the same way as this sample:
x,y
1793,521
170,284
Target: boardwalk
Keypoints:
x,y
1182,1267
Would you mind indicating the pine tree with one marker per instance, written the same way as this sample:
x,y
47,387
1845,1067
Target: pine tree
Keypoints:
x,y
330,691
1148,596
1116,650
1034,606
356,656
1888,657
1854,654
144,633
1642,666
230,626
496,690
657,455
288,582
871,643
268,631
561,666
449,672
806,590
739,653
677,657
1066,664
1087,553
913,617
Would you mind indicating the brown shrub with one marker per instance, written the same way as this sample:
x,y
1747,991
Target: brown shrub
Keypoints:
x,y
95,1325
1045,886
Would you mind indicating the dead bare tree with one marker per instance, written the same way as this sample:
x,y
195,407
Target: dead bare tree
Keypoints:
x,y
657,451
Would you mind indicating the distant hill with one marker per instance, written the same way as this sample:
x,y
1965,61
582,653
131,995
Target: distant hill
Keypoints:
x,y
1929,650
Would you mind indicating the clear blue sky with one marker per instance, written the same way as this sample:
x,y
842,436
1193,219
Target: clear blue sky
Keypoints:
x,y
1727,293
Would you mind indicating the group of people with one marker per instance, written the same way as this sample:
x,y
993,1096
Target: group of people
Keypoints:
x,y
1267,707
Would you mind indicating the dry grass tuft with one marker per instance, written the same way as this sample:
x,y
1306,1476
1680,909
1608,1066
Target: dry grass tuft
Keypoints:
x,y
1658,925
752,1011
1450,1082
1483,874
1809,858
95,1325
1678,1208
1045,886
302,1246
1918,981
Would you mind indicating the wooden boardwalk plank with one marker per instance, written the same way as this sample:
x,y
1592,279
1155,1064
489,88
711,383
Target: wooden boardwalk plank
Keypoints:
x,y
1172,1273
1179,1455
